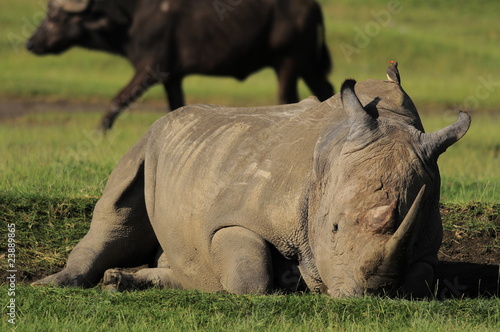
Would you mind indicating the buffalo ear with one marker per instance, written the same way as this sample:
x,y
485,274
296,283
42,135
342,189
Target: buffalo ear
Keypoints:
x,y
381,219
72,6
111,10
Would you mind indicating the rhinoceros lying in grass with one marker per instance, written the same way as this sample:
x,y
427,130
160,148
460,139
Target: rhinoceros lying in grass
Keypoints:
x,y
344,192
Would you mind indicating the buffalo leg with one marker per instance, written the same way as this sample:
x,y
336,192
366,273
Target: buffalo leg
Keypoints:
x,y
287,79
120,232
142,81
242,261
173,88
319,85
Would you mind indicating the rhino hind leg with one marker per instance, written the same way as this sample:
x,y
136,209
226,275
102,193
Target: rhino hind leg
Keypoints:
x,y
120,233
242,261
77,272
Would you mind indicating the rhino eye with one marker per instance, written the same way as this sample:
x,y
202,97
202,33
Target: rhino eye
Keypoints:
x,y
335,228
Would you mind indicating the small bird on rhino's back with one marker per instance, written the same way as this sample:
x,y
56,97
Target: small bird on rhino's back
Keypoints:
x,y
393,72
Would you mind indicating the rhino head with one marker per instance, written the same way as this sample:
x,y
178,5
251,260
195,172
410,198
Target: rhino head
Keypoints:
x,y
373,205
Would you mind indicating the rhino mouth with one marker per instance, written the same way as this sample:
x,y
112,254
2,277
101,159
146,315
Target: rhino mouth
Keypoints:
x,y
382,272
385,276
338,293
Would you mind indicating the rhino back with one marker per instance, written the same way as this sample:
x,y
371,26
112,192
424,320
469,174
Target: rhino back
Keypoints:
x,y
209,167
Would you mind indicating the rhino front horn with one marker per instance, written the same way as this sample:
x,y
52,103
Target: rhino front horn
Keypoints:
x,y
395,248
73,6
391,259
437,142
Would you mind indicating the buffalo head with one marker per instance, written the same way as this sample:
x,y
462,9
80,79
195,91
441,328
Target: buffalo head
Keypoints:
x,y
374,221
74,23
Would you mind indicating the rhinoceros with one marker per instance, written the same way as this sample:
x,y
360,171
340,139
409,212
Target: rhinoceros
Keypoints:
x,y
337,197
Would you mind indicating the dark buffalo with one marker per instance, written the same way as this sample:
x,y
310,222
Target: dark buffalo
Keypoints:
x,y
165,40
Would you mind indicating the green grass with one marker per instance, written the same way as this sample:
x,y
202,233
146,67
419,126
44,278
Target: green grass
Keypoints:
x,y
442,47
61,154
52,309
445,50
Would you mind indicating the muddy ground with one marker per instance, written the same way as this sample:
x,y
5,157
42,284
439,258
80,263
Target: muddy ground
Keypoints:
x,y
469,266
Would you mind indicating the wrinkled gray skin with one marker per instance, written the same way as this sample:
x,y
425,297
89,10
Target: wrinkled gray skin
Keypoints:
x,y
238,198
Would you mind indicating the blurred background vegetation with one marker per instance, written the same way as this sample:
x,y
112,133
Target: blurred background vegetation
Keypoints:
x,y
447,50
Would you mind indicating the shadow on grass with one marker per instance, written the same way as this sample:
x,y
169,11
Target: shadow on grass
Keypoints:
x,y
467,280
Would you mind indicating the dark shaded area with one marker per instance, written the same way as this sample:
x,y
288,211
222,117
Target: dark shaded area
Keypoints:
x,y
467,280
469,264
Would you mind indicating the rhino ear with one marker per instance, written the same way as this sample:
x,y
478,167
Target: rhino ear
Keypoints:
x,y
437,142
353,107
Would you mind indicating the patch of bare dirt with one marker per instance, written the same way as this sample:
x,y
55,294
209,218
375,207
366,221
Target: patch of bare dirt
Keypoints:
x,y
10,109
469,266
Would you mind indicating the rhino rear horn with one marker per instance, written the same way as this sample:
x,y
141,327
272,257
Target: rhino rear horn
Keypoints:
x,y
73,6
352,106
437,142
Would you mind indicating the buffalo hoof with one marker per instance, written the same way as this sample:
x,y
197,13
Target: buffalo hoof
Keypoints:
x,y
105,125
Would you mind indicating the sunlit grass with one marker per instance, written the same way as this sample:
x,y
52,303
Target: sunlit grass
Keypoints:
x,y
56,309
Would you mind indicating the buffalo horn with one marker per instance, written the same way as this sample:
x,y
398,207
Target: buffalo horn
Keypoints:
x,y
73,6
437,142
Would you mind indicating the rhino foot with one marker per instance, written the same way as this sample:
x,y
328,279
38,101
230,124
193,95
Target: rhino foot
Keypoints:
x,y
112,281
64,279
47,281
117,280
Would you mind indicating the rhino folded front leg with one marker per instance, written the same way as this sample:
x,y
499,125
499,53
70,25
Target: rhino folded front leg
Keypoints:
x,y
120,280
